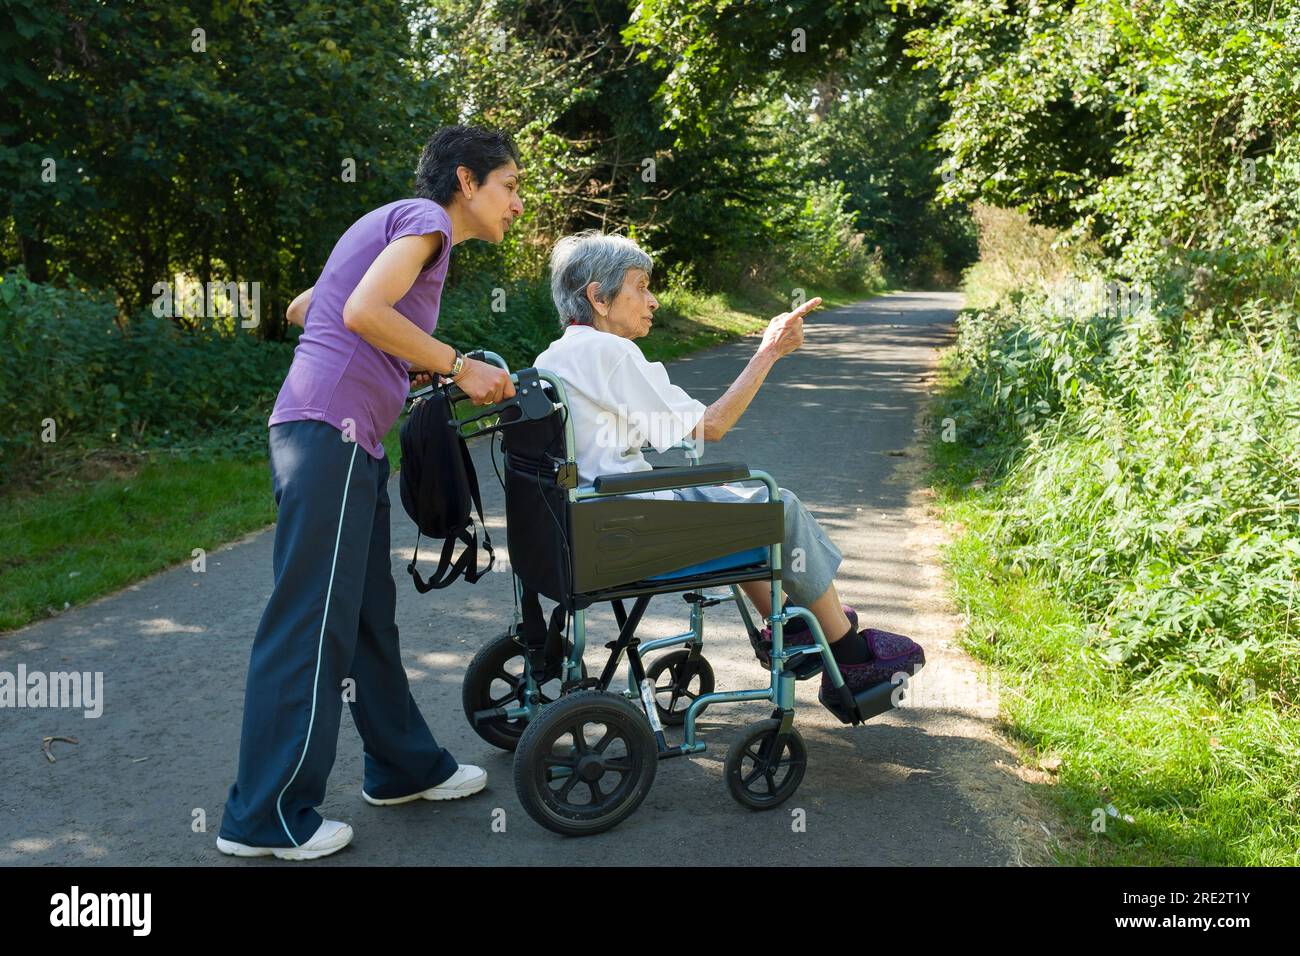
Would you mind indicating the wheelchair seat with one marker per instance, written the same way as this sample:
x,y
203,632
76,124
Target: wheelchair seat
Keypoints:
x,y
754,557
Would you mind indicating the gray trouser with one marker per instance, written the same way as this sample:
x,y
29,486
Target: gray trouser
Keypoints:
x,y
809,558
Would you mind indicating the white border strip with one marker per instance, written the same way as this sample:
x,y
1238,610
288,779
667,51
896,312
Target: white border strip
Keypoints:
x,y
320,643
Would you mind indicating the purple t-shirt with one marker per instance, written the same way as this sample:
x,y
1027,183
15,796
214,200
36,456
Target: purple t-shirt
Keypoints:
x,y
336,375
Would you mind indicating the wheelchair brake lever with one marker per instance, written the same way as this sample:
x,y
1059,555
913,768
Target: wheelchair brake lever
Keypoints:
x,y
530,398
534,403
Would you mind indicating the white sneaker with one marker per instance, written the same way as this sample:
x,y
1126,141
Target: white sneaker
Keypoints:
x,y
466,780
330,837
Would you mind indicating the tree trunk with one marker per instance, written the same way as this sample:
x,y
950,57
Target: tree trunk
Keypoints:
x,y
36,257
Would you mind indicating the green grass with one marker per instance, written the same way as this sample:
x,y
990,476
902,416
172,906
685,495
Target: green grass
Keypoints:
x,y
77,541
71,539
1205,781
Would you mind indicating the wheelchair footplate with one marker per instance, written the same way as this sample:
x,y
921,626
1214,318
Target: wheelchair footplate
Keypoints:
x,y
869,702
804,666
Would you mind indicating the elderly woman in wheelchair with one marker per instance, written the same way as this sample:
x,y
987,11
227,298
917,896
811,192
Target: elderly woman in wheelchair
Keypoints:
x,y
600,285
590,521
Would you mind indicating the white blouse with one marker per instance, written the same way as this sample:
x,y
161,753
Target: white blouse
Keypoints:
x,y
618,401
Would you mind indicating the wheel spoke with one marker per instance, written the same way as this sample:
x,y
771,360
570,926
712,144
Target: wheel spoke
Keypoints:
x,y
597,795
510,680
750,778
788,760
579,741
550,760
610,736
563,792
771,782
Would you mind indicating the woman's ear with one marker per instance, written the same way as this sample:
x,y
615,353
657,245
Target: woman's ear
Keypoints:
x,y
466,177
593,291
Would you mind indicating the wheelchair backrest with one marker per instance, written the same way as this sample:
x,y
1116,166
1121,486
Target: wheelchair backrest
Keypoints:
x,y
539,531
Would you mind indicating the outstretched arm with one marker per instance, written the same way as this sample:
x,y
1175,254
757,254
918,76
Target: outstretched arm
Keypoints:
x,y
784,334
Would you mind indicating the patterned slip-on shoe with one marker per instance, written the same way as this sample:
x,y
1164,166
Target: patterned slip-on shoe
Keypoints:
x,y
797,634
890,654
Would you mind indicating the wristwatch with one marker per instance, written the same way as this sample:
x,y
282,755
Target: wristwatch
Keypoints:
x,y
457,365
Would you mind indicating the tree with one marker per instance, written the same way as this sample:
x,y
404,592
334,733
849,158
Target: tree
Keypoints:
x,y
231,141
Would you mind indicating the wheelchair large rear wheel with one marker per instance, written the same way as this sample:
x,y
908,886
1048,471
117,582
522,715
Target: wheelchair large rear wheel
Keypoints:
x,y
585,763
495,678
678,679
757,776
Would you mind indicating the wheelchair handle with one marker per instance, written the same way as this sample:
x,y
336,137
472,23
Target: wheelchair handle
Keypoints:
x,y
483,355
530,397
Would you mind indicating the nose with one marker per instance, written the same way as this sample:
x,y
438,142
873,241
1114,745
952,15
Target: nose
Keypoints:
x,y
654,303
518,205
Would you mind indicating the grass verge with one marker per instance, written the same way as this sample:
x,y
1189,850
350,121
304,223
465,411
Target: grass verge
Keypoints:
x,y
1144,776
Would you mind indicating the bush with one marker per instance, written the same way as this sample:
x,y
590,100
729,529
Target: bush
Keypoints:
x,y
1148,469
1014,254
820,242
66,357
515,319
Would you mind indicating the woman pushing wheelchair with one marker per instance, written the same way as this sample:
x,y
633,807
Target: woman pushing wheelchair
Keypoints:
x,y
618,401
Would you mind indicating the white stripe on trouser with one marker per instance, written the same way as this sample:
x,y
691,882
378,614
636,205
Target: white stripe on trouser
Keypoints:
x,y
320,643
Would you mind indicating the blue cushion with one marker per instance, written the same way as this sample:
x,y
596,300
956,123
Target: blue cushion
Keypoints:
x,y
740,559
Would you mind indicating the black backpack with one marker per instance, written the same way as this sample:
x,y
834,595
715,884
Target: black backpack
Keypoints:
x,y
438,483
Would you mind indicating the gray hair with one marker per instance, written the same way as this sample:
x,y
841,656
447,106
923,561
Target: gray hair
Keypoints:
x,y
587,257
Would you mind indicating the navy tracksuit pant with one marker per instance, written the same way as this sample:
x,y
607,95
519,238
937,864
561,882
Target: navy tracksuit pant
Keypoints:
x,y
330,617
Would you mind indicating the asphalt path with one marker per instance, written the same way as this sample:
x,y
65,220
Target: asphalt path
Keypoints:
x,y
829,423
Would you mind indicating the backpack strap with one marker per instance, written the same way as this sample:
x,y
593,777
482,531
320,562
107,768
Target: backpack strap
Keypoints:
x,y
473,574
467,564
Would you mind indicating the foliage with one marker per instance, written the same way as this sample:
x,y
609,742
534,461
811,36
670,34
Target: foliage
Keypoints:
x,y
1155,478
64,357
225,162
1146,445
1166,129
209,141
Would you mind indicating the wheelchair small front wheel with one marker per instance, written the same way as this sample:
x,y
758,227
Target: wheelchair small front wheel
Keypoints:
x,y
678,679
585,763
495,678
758,777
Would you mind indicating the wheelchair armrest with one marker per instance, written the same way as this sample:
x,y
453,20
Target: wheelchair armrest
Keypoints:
x,y
662,479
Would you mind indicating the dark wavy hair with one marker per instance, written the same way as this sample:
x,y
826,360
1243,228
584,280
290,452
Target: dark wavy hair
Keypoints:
x,y
478,149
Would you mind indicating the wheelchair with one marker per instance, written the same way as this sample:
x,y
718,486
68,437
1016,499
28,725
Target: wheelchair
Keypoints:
x,y
587,747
